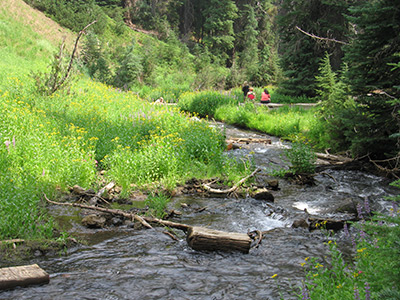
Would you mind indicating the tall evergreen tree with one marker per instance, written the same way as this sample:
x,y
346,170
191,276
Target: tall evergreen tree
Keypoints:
x,y
219,16
268,71
248,56
130,68
301,53
375,42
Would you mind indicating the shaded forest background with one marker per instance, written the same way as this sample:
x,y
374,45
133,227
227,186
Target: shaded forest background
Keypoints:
x,y
330,51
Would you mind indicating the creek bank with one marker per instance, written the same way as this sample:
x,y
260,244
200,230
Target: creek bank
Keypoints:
x,y
18,253
263,189
215,188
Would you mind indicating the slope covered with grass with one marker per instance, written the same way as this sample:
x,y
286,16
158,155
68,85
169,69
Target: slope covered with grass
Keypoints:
x,y
50,143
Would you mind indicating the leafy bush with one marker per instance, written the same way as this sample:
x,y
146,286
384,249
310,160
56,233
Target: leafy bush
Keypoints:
x,y
301,156
204,103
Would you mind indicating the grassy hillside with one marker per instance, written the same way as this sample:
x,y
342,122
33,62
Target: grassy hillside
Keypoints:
x,y
50,143
29,33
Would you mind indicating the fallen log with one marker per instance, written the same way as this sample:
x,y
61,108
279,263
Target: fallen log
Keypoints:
x,y
22,276
334,159
249,141
314,222
200,238
12,242
131,216
232,189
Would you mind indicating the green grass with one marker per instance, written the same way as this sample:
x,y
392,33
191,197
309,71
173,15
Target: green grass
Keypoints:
x,y
48,144
205,103
284,122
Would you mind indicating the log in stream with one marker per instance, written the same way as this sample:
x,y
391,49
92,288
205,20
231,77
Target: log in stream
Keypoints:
x,y
198,238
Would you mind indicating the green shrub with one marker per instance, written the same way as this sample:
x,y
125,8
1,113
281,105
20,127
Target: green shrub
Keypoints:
x,y
204,103
301,156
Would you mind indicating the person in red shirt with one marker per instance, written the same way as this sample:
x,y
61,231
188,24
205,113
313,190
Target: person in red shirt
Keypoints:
x,y
265,97
251,95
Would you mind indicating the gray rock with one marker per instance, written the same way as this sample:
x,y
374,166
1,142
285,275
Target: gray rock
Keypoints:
x,y
94,221
263,194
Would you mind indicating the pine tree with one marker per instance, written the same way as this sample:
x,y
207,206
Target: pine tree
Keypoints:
x,y
335,103
130,68
374,46
268,71
249,54
301,53
219,16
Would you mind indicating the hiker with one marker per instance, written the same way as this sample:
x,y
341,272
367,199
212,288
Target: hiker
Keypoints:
x,y
251,95
265,97
159,101
245,90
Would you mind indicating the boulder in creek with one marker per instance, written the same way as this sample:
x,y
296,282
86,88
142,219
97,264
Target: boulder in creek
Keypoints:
x,y
94,221
263,194
273,184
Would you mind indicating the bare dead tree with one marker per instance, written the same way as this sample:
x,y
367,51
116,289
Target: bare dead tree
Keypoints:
x,y
61,82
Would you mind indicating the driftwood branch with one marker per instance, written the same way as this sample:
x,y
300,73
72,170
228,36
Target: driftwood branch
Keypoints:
x,y
232,189
329,175
334,159
143,220
394,171
99,194
249,140
320,38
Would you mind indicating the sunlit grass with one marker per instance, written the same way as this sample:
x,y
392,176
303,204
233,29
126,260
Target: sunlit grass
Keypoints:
x,y
48,144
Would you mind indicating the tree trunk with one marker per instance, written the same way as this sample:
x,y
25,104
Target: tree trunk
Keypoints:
x,y
129,6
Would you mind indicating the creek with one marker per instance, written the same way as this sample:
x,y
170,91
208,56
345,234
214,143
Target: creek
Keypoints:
x,y
124,263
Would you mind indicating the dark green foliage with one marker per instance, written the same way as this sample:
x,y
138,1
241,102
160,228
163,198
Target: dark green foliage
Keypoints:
x,y
130,68
217,29
94,59
248,57
73,14
301,53
370,127
335,104
374,46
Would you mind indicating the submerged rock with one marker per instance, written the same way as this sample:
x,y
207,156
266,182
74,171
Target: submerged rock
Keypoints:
x,y
94,221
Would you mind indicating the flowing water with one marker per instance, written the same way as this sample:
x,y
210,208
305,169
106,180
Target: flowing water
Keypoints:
x,y
123,263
